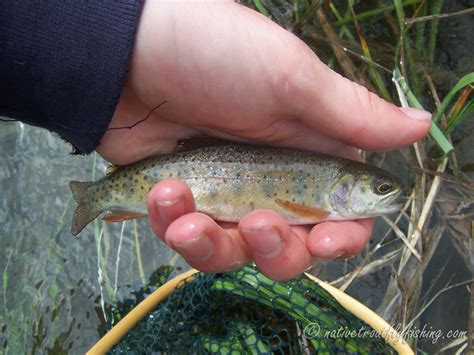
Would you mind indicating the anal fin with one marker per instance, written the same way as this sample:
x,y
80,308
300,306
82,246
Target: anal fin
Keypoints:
x,y
121,215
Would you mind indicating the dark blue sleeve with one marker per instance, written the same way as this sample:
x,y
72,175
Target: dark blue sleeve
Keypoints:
x,y
63,63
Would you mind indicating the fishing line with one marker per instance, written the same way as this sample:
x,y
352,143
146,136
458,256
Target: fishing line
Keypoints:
x,y
139,121
98,131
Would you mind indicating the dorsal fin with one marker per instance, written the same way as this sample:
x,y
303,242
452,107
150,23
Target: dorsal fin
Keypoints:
x,y
195,142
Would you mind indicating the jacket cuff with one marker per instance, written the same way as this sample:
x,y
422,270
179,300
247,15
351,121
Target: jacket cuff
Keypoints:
x,y
63,64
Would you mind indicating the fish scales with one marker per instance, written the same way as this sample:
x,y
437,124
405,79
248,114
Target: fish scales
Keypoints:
x,y
229,181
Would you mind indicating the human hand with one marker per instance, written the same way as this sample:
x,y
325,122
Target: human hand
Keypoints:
x,y
229,72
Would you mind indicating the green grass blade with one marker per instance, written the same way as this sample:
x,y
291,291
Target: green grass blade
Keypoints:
x,y
433,29
373,73
403,90
420,30
399,11
464,81
405,45
374,12
258,4
343,30
456,120
438,136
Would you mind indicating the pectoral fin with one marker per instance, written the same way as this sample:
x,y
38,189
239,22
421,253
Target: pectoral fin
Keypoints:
x,y
303,210
121,215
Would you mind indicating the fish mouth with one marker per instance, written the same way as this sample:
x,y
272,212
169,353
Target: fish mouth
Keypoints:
x,y
396,204
394,207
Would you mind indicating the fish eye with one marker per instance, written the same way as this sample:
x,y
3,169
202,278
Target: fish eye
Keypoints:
x,y
383,186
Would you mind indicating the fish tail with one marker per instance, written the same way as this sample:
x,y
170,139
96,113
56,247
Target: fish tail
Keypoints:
x,y
85,211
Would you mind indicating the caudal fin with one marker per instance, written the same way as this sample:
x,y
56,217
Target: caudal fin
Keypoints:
x,y
85,212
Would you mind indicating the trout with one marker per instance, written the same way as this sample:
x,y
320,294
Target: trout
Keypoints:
x,y
229,181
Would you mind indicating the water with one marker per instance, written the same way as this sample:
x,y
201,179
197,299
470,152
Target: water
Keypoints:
x,y
51,292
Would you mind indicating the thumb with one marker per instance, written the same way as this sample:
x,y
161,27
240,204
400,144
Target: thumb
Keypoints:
x,y
355,116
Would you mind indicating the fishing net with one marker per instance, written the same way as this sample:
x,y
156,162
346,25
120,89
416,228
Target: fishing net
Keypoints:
x,y
246,312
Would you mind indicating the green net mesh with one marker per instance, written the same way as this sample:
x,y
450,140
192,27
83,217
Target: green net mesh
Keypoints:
x,y
246,312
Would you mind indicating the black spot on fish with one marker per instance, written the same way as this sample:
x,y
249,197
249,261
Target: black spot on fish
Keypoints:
x,y
305,187
287,192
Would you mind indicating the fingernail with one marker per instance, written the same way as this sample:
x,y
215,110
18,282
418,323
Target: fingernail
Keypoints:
x,y
416,114
197,248
266,243
328,248
169,210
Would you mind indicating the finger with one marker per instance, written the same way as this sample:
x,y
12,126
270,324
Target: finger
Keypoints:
x,y
340,108
168,200
278,250
293,133
205,245
344,239
350,113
